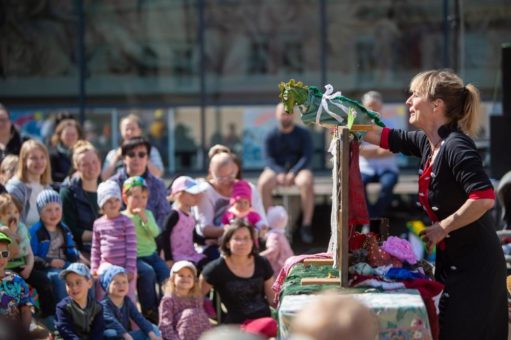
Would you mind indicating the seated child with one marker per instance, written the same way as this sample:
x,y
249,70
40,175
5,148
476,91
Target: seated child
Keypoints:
x,y
182,314
277,249
15,300
52,242
150,266
79,316
23,262
177,236
113,238
119,310
241,206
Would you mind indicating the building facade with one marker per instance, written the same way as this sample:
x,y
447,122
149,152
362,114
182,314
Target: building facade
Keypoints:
x,y
201,72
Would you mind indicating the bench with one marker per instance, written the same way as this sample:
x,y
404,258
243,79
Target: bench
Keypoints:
x,y
289,197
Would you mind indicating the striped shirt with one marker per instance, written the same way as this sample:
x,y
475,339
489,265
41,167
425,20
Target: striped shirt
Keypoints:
x,y
114,241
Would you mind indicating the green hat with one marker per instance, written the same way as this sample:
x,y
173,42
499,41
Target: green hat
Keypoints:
x,y
5,238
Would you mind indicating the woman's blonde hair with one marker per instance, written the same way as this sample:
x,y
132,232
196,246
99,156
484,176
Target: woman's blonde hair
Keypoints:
x,y
81,147
55,139
26,148
169,287
462,102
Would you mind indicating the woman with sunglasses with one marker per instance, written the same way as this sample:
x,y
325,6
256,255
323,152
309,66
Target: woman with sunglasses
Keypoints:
x,y
135,154
223,172
130,127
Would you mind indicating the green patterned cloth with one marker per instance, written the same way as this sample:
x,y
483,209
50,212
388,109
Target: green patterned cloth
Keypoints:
x,y
401,313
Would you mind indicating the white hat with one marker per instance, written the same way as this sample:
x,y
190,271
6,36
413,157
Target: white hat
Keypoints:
x,y
277,217
106,190
188,184
183,264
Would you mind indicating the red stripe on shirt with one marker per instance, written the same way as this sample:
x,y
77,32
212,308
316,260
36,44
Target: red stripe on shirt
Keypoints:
x,y
384,139
487,193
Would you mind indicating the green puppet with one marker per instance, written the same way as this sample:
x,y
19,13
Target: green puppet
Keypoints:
x,y
326,109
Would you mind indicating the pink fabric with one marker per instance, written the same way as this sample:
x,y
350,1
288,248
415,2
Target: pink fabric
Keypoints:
x,y
241,189
400,248
277,250
182,318
288,265
114,241
181,239
250,216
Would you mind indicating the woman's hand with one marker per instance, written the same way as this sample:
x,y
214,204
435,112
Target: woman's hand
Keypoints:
x,y
432,235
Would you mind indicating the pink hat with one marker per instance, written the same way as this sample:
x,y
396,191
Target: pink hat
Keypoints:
x,y
241,189
277,217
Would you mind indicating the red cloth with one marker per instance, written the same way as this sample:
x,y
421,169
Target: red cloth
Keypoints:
x,y
358,213
266,327
384,139
428,289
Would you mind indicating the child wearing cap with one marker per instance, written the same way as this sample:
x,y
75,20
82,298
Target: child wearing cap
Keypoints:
x,y
119,311
114,240
241,206
277,249
78,315
150,266
182,314
177,236
52,242
15,300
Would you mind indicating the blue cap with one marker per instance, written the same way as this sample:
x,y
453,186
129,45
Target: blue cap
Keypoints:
x,y
77,268
106,277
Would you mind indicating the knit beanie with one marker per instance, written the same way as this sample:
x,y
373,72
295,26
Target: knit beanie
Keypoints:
x,y
46,197
241,189
106,190
277,217
108,274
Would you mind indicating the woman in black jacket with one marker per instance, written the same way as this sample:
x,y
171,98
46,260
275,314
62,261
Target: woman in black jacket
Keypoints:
x,y
456,194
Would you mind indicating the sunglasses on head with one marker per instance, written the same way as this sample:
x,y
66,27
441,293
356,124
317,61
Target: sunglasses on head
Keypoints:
x,y
4,254
140,154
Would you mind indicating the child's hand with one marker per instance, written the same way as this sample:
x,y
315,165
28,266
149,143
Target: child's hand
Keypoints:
x,y
25,273
153,336
131,276
127,336
13,224
57,263
94,275
140,213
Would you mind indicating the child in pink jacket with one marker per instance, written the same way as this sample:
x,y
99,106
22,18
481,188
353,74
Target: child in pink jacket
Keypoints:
x,y
278,249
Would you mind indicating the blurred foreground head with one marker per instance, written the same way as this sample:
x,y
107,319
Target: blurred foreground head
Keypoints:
x,y
333,317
